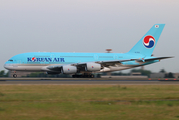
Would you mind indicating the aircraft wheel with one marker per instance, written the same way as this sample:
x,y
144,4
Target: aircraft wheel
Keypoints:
x,y
92,76
14,75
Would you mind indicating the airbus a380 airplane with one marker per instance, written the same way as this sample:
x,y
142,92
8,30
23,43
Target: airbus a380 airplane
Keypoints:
x,y
88,63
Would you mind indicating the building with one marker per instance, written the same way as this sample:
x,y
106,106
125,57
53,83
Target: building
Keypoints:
x,y
157,75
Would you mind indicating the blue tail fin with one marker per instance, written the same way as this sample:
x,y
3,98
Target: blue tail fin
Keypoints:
x,y
147,43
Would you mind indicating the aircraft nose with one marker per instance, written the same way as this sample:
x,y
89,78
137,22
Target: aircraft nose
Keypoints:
x,y
6,66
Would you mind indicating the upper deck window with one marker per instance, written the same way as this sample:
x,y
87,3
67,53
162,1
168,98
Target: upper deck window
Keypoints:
x,y
10,60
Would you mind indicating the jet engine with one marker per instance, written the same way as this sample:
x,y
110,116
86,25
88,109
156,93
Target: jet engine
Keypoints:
x,y
68,69
93,67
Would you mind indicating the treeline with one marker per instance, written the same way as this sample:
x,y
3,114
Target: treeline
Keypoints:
x,y
3,73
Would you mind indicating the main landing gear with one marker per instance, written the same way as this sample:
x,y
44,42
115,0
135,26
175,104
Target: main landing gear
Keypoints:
x,y
14,75
83,76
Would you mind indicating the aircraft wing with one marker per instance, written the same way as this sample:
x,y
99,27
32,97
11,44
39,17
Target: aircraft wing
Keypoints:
x,y
82,65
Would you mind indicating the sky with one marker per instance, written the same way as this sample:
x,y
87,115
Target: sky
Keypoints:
x,y
88,26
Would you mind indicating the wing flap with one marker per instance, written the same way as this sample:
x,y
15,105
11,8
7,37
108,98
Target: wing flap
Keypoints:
x,y
112,62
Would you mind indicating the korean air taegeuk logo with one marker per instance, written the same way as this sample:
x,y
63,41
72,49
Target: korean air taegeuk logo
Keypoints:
x,y
149,41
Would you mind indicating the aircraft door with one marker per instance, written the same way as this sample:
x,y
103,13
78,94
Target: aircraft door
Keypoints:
x,y
115,57
96,57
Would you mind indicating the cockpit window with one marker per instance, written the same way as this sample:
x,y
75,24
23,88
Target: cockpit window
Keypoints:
x,y
10,60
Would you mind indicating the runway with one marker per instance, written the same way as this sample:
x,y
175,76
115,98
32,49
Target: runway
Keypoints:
x,y
86,81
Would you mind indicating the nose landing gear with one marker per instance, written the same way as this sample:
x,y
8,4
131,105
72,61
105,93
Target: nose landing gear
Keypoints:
x,y
14,75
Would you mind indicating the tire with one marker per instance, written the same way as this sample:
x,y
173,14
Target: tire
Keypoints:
x,y
14,75
92,76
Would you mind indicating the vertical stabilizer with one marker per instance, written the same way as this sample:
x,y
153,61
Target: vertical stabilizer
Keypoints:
x,y
147,43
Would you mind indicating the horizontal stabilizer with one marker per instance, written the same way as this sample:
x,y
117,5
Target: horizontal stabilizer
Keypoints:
x,y
151,59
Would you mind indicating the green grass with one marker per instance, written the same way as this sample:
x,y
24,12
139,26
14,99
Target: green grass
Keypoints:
x,y
87,102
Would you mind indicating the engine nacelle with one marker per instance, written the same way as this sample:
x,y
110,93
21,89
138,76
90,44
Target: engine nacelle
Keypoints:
x,y
93,67
67,69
